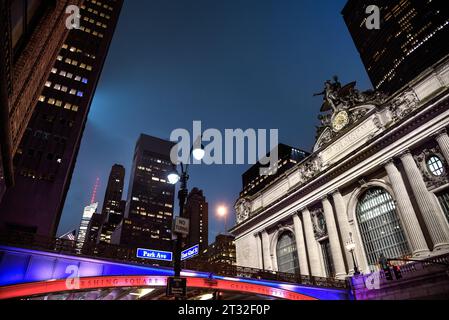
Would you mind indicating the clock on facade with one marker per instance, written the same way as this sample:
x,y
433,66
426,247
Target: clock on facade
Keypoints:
x,y
340,121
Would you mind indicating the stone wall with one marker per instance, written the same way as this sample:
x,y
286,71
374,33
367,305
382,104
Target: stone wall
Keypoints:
x,y
420,281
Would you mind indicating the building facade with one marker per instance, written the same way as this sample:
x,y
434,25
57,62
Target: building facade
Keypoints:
x,y
46,156
378,176
32,32
413,35
197,210
113,205
221,252
149,210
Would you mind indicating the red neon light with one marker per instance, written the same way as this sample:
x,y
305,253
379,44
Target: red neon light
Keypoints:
x,y
94,193
48,287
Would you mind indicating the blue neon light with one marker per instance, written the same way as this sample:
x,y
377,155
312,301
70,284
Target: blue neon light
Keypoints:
x,y
154,255
190,253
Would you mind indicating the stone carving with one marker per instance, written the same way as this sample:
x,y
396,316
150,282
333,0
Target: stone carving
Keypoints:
x,y
432,181
311,168
338,98
319,224
342,106
243,210
404,104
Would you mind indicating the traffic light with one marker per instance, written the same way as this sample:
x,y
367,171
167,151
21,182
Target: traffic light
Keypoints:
x,y
386,267
388,274
397,272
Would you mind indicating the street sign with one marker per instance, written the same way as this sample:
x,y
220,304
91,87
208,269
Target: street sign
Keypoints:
x,y
182,226
176,287
190,253
154,255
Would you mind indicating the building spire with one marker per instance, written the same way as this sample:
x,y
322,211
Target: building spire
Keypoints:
x,y
94,193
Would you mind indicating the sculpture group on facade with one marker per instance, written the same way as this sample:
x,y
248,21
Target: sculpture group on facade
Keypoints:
x,y
342,106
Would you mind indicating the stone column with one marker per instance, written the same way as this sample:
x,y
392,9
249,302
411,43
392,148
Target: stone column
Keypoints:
x,y
406,212
343,223
312,247
258,238
266,251
431,214
301,245
334,239
443,141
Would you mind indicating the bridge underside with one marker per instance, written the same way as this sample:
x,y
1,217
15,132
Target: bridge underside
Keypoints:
x,y
26,274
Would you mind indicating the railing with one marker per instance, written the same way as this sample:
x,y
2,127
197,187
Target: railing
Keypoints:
x,y
227,270
123,254
410,266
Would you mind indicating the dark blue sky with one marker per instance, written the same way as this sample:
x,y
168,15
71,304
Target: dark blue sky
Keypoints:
x,y
229,63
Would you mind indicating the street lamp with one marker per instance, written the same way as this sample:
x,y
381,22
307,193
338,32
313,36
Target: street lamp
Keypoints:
x,y
222,212
174,177
350,246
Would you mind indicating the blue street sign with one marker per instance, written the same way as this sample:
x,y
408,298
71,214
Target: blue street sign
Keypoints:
x,y
190,253
154,255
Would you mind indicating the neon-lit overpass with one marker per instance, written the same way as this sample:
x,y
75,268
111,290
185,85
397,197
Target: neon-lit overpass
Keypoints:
x,y
29,273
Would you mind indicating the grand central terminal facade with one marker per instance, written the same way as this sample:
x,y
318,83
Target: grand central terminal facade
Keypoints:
x,y
377,181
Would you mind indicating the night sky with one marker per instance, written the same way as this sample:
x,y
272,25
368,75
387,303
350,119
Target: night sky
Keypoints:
x,y
229,63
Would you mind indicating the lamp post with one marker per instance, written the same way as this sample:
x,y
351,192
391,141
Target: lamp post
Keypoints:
x,y
350,246
198,153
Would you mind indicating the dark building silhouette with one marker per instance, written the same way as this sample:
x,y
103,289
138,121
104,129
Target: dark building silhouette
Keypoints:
x,y
113,206
47,153
111,223
413,36
149,211
114,192
197,210
253,181
93,233
31,34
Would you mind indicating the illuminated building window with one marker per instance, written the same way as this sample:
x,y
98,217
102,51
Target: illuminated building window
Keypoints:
x,y
435,166
286,253
380,227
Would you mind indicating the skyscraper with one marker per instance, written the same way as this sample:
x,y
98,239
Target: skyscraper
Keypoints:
x,y
222,251
413,35
253,181
47,153
88,213
113,206
31,33
196,209
149,211
113,196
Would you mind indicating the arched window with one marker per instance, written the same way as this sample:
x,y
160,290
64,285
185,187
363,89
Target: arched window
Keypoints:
x,y
286,253
380,227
